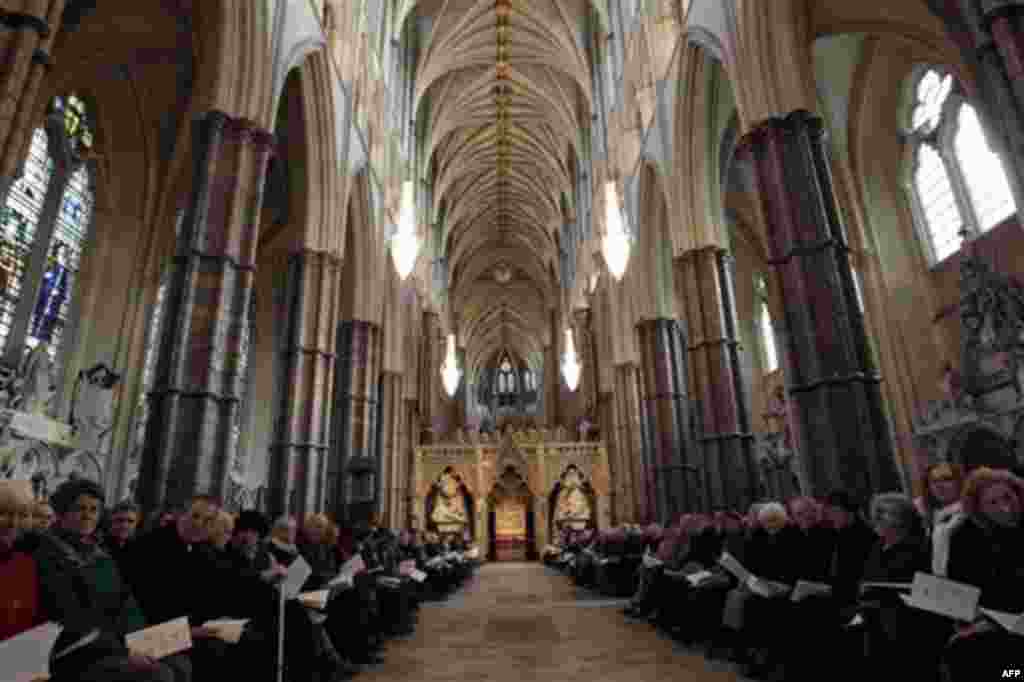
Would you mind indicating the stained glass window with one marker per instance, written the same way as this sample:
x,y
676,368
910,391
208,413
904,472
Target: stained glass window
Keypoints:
x,y
18,222
766,330
959,184
69,236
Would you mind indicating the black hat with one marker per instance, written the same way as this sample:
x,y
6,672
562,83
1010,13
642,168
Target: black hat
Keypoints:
x,y
843,500
69,491
250,519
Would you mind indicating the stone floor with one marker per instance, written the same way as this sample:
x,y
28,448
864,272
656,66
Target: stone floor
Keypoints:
x,y
522,622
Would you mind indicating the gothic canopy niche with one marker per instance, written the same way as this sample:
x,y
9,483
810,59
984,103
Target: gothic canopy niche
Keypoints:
x,y
504,89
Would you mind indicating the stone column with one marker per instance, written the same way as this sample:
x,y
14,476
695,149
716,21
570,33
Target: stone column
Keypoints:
x,y
410,438
355,465
637,506
617,490
431,355
457,403
391,405
843,434
28,29
299,458
197,385
705,286
585,349
664,391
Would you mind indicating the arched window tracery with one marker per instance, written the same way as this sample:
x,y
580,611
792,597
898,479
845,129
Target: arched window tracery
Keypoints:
x,y
44,227
766,331
958,183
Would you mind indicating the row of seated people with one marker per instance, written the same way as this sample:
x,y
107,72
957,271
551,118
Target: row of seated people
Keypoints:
x,y
605,560
204,564
967,528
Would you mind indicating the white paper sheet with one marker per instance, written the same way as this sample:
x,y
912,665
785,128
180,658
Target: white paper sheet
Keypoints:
x,y
162,640
315,600
809,588
227,629
944,597
699,577
26,657
418,576
730,563
1012,622
298,573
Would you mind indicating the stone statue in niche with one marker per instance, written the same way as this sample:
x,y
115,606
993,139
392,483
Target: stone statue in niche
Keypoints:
x,y
37,387
573,508
992,319
92,406
449,508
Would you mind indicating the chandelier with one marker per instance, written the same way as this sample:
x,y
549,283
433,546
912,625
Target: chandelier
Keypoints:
x,y
570,365
616,241
405,245
450,373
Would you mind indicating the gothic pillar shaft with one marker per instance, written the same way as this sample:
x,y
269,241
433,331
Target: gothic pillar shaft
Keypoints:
x,y
609,434
630,441
197,383
27,31
587,358
1005,22
299,459
407,482
390,447
844,439
356,468
431,355
704,284
669,452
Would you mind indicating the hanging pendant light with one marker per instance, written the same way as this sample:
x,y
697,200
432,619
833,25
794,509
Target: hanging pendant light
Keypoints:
x,y
570,364
450,373
616,241
405,245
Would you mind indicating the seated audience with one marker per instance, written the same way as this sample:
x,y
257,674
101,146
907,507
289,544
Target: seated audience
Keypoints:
x,y
42,516
82,589
987,551
123,523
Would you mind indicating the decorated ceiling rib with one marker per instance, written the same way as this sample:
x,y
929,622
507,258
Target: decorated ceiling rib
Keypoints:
x,y
504,90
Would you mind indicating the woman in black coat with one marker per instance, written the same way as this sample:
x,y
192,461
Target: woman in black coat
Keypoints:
x,y
987,551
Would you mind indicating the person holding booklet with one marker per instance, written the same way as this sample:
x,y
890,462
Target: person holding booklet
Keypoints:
x,y
987,551
82,589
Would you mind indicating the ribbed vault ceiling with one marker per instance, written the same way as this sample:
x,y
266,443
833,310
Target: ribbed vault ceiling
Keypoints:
x,y
504,88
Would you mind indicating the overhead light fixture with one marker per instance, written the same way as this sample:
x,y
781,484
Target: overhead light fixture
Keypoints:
x,y
616,241
450,373
570,364
405,244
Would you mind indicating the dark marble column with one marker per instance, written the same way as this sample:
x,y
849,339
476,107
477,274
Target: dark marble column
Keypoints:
x,y
669,448
630,443
197,385
299,458
355,466
390,446
704,286
843,434
27,33
409,442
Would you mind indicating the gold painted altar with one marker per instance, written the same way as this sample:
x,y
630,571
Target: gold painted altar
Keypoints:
x,y
539,456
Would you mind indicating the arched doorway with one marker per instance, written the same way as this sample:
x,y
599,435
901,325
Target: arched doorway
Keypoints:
x,y
511,534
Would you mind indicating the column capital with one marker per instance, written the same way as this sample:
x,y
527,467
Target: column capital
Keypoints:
x,y
776,129
240,130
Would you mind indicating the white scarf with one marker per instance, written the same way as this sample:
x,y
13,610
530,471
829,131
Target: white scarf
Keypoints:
x,y
944,522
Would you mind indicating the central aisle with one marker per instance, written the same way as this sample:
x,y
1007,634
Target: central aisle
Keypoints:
x,y
522,622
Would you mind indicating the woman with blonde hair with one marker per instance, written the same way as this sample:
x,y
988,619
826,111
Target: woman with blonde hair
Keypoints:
x,y
986,551
19,582
941,508
317,548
